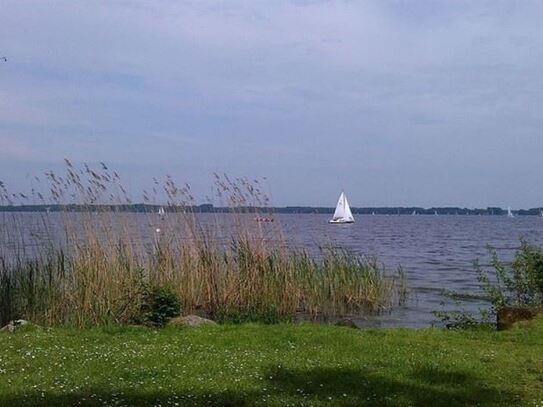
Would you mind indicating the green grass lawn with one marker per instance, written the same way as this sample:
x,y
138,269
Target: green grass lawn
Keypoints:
x,y
279,364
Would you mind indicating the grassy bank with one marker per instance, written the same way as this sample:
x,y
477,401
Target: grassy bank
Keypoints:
x,y
278,364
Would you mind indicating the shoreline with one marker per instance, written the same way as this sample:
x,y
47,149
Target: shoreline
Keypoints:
x,y
285,210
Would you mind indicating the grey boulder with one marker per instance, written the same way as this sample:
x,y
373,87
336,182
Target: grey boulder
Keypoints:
x,y
190,321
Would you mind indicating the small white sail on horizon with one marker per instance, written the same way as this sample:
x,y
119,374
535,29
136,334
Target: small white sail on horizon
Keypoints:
x,y
343,212
510,213
161,212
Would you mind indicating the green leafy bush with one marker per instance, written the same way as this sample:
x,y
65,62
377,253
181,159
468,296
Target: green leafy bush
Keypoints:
x,y
159,305
518,285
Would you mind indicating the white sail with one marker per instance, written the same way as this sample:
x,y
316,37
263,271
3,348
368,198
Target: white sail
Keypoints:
x,y
343,212
161,211
509,213
340,211
348,214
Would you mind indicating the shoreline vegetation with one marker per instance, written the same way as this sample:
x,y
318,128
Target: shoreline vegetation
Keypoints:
x,y
96,269
513,289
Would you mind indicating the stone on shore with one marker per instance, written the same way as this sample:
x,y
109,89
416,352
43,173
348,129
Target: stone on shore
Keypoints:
x,y
508,316
190,321
14,325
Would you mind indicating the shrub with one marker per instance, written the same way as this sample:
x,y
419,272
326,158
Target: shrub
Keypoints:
x,y
520,284
159,305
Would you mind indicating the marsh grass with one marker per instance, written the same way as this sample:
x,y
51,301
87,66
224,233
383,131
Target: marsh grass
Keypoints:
x,y
95,266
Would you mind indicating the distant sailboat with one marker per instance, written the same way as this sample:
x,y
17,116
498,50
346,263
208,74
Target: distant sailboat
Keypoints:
x,y
161,212
510,213
435,213
343,212
414,213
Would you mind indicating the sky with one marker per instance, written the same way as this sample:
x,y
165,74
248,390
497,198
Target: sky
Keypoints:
x,y
422,103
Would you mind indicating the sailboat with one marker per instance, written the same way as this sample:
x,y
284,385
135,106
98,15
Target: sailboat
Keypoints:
x,y
343,212
161,212
509,213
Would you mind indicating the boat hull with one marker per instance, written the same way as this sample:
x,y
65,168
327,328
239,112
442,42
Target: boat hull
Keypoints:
x,y
340,221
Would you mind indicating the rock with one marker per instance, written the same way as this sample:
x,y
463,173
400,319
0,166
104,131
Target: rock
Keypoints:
x,y
190,321
347,322
14,325
507,316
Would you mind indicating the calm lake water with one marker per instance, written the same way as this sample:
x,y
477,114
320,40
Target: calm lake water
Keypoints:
x,y
436,252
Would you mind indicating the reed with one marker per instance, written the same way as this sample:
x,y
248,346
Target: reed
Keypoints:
x,y
94,266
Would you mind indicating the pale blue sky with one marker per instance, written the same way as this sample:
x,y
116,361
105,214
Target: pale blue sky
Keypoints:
x,y
399,102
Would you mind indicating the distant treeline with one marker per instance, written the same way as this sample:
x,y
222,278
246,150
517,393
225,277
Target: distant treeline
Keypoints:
x,y
208,208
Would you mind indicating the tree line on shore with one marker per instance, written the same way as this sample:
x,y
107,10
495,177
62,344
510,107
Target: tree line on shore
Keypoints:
x,y
209,208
